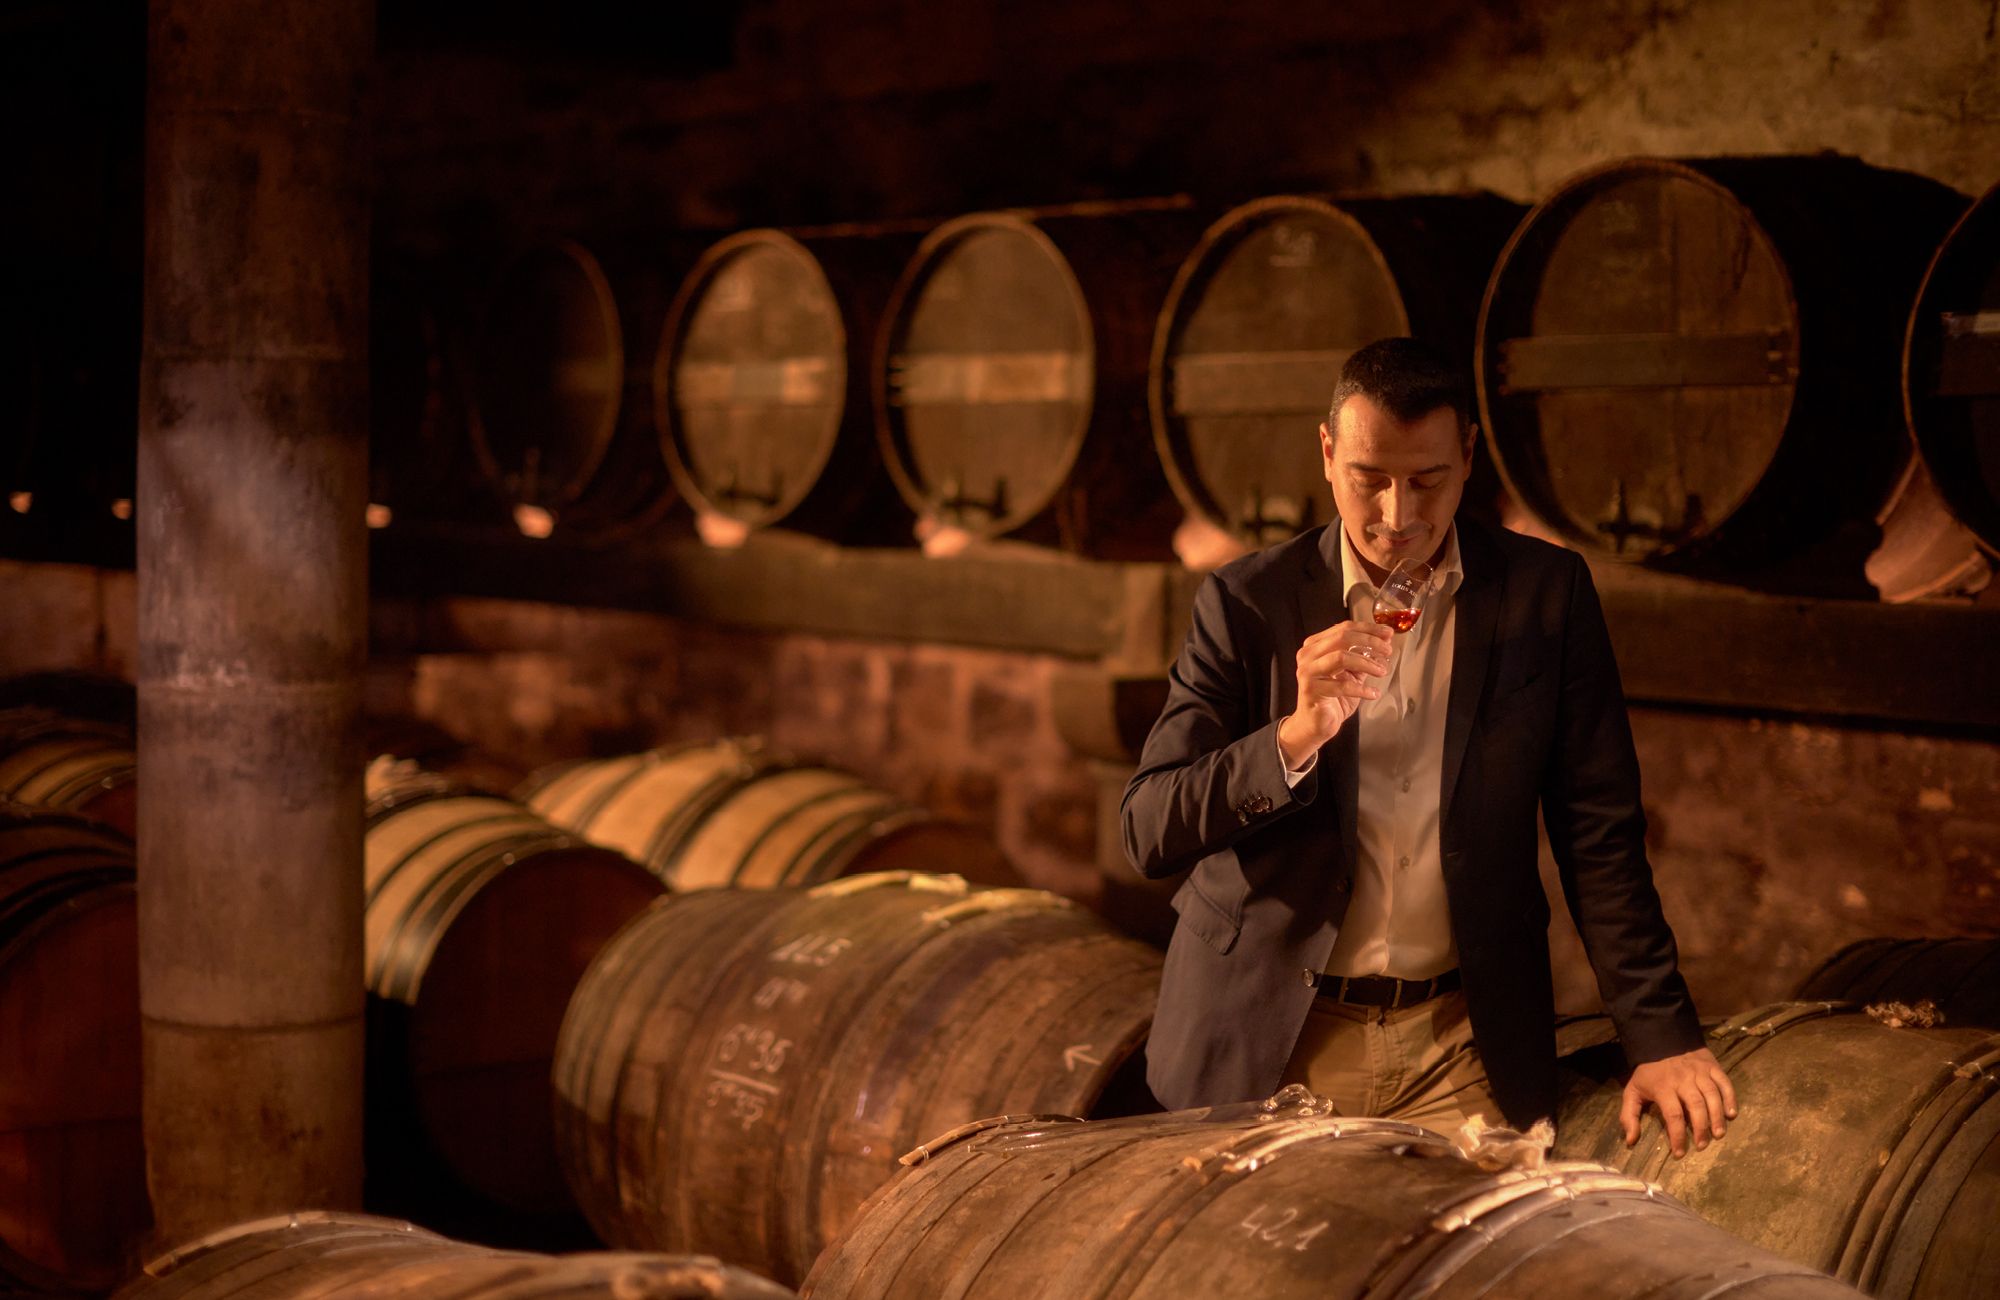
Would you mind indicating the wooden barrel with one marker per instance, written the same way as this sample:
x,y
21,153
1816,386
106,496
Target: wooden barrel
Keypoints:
x,y
1263,314
1961,975
740,1069
737,813
1010,377
1951,369
481,917
56,761
1279,1201
1696,362
559,426
72,1167
760,383
1869,1152
361,1257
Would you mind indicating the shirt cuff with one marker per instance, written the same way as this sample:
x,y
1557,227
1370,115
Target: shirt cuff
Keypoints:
x,y
1294,776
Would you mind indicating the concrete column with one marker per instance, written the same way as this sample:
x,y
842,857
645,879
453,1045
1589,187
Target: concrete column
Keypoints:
x,y
252,606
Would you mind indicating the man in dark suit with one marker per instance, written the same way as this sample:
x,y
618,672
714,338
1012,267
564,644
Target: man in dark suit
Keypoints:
x,y
1356,810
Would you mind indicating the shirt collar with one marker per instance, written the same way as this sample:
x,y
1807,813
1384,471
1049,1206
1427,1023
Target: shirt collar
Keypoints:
x,y
1450,569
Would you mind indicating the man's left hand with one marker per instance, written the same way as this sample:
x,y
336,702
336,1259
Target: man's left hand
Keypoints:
x,y
1692,1092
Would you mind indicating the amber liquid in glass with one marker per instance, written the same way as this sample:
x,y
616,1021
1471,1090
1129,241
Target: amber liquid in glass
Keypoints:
x,y
1402,620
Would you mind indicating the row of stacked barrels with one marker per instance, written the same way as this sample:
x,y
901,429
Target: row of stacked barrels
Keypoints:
x,y
708,998
1713,365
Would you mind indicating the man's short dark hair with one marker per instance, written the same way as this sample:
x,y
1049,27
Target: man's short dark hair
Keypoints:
x,y
1409,377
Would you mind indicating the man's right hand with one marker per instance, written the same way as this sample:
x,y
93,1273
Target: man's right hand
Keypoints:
x,y
1334,676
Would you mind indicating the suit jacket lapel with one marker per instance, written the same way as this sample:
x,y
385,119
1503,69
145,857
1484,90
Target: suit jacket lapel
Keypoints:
x,y
1471,648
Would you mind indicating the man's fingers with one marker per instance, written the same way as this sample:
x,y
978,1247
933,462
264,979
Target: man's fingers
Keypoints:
x,y
1696,1108
1670,1111
1728,1090
1628,1114
1711,1098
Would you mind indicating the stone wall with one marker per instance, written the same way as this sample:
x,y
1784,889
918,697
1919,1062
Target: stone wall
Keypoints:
x,y
812,112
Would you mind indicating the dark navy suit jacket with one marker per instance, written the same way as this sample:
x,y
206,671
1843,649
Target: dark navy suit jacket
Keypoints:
x,y
1536,719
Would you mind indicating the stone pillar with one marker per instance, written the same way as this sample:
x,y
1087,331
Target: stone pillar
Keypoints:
x,y
252,606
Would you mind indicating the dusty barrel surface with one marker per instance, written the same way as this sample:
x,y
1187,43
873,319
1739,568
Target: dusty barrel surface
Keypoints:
x,y
72,1166
1278,1201
322,1252
739,814
1961,975
1695,362
739,1070
1951,370
1869,1152
1010,377
70,763
760,385
1266,310
481,917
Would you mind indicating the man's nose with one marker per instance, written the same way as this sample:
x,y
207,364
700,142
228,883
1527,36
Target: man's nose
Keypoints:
x,y
1396,509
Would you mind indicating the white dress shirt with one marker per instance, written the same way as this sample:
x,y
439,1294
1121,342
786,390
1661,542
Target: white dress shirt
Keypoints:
x,y
1397,923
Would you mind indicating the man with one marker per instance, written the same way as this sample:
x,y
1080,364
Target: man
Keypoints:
x,y
1356,809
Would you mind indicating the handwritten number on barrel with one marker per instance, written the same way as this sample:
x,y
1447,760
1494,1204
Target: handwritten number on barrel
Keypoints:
x,y
1276,1229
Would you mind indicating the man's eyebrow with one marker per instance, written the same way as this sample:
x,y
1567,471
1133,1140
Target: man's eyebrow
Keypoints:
x,y
1366,468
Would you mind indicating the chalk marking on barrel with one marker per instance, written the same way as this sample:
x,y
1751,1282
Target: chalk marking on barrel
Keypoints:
x,y
759,1084
1079,1052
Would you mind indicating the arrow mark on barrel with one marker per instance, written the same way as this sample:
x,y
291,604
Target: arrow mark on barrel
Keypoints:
x,y
1078,1053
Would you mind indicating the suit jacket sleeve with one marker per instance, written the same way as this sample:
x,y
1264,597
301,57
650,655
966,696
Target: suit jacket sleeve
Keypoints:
x,y
1597,830
1210,771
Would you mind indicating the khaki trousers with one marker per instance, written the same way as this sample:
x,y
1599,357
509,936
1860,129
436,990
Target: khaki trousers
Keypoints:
x,y
1416,1063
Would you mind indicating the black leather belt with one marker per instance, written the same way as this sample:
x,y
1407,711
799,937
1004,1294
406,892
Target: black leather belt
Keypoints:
x,y
1381,990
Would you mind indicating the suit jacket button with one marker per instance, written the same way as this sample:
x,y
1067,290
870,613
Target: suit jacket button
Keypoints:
x,y
1243,813
1308,974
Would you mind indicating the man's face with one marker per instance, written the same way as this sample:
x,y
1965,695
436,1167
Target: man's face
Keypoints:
x,y
1396,483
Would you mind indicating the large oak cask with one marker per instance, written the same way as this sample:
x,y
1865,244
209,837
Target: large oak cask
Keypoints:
x,y
481,917
1951,369
1961,975
361,1257
738,813
1695,363
72,1166
1263,314
1279,1200
57,761
760,385
1872,1153
1011,376
740,1069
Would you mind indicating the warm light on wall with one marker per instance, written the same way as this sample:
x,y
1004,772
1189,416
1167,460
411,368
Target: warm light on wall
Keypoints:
x,y
378,515
22,502
122,507
533,521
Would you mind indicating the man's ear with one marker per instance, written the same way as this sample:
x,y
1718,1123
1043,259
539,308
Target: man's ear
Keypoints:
x,y
1326,452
